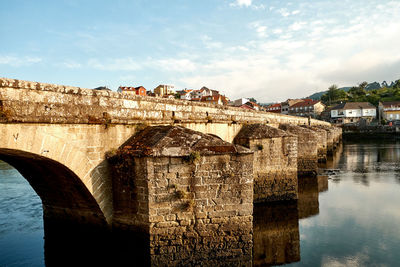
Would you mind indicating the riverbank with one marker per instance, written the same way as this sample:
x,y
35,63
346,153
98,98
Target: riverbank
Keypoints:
x,y
375,132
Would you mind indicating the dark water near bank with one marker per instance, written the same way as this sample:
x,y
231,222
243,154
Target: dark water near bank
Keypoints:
x,y
348,219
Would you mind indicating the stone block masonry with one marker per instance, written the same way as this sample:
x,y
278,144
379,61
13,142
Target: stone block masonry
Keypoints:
x,y
322,136
190,195
307,149
275,161
33,102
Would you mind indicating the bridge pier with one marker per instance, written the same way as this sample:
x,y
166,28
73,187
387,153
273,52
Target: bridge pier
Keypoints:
x,y
275,161
322,138
189,194
307,149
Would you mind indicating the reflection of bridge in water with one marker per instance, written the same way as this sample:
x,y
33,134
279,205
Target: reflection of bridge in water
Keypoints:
x,y
276,224
181,179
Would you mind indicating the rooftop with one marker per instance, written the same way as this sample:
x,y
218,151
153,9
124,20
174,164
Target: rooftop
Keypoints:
x,y
354,105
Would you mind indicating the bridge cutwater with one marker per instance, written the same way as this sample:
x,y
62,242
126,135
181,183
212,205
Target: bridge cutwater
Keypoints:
x,y
182,174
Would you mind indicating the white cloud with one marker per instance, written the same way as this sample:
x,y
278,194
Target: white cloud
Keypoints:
x,y
284,12
15,61
260,29
298,25
308,56
174,64
71,65
241,3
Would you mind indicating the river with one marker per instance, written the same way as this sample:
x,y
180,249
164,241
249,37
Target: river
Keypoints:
x,y
350,218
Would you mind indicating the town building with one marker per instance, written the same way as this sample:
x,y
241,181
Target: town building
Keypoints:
x,y
163,89
353,112
252,106
275,108
287,104
203,95
239,102
140,90
307,108
184,94
215,99
389,111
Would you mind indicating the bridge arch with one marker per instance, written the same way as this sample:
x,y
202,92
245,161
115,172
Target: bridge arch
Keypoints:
x,y
64,196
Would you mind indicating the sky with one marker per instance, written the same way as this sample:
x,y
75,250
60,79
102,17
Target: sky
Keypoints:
x,y
267,49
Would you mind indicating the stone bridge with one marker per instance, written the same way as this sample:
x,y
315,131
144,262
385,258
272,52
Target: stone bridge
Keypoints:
x,y
57,138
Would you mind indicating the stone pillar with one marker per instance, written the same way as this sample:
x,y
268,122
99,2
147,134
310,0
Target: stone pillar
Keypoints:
x,y
189,195
275,161
334,137
321,143
307,149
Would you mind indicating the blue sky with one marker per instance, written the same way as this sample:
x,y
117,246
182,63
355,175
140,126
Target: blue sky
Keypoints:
x,y
270,50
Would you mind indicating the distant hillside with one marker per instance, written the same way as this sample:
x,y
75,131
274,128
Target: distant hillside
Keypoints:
x,y
317,96
369,87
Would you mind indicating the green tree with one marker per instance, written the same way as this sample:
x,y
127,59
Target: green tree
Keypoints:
x,y
333,95
252,99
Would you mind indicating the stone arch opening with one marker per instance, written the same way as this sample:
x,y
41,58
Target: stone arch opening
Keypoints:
x,y
64,196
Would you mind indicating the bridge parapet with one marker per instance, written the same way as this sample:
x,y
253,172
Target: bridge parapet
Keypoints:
x,y
24,101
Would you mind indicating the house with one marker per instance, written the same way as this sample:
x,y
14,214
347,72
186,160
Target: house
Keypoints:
x,y
307,108
239,102
251,105
353,112
184,94
203,95
287,104
163,89
275,108
389,111
215,99
140,90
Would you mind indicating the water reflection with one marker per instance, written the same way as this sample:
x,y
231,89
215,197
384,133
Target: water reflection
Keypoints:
x,y
276,233
308,204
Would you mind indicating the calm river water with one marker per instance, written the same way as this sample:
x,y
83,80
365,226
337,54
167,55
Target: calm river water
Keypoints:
x,y
351,218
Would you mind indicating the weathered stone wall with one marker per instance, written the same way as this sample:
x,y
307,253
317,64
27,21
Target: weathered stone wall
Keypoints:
x,y
202,211
190,211
330,139
275,161
275,169
307,149
189,195
276,233
322,136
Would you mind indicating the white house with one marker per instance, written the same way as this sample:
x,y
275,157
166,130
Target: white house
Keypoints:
x,y
352,112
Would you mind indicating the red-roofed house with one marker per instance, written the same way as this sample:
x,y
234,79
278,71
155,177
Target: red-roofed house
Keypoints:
x,y
140,90
307,107
215,99
251,105
275,108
